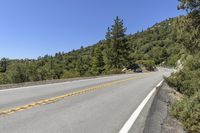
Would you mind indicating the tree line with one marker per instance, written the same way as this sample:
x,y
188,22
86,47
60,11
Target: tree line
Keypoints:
x,y
156,45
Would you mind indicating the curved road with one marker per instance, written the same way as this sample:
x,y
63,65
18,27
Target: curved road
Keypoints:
x,y
99,105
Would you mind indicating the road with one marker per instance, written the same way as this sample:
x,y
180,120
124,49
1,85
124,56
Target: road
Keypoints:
x,y
99,105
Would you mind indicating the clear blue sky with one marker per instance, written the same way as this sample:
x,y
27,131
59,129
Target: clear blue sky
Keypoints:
x,y
32,28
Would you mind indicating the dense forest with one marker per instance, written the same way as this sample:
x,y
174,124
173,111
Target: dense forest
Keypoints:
x,y
154,46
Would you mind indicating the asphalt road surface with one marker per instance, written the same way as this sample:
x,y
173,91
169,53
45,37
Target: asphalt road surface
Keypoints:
x,y
99,105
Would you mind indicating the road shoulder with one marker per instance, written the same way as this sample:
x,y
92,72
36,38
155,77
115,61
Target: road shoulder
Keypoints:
x,y
159,120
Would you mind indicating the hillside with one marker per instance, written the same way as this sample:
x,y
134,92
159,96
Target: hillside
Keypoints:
x,y
172,41
157,44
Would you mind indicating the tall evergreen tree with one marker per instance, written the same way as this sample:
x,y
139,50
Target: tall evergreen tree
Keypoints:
x,y
189,5
117,47
3,65
108,34
107,51
97,62
117,29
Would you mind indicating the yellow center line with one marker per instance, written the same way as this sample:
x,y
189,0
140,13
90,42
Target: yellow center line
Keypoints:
x,y
70,94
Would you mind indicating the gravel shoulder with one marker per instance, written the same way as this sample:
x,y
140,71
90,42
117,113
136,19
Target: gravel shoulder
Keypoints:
x,y
159,119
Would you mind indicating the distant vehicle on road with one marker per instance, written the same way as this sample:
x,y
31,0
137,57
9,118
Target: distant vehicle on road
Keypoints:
x,y
138,70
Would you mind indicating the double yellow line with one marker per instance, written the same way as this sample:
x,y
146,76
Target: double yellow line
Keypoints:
x,y
58,98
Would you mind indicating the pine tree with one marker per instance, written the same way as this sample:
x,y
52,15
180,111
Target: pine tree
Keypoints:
x,y
118,30
116,51
107,50
97,61
3,65
189,5
108,34
80,66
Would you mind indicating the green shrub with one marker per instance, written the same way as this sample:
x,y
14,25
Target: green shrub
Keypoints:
x,y
186,81
4,78
188,112
113,71
148,64
70,74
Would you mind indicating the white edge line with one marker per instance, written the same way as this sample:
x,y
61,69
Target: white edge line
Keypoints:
x,y
127,126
